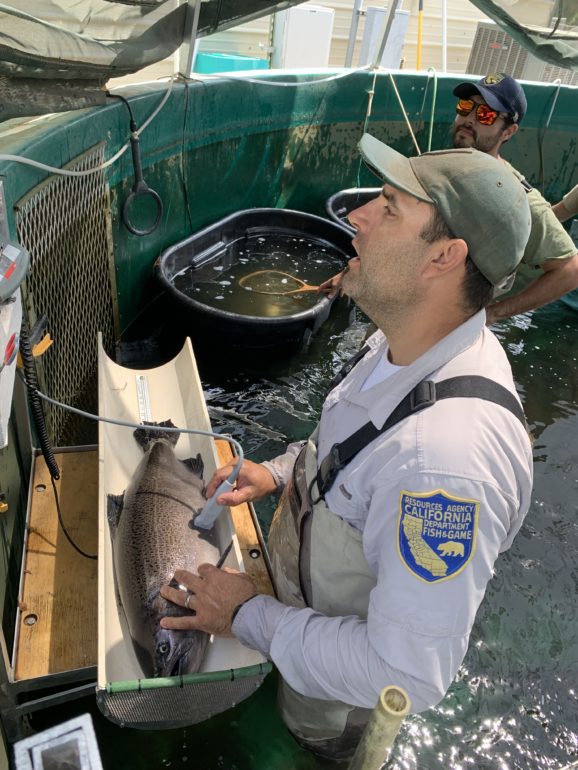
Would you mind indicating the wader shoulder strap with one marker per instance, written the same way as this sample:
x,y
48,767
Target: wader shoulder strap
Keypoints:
x,y
424,395
526,185
353,361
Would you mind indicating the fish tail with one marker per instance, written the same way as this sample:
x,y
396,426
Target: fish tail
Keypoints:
x,y
146,436
114,505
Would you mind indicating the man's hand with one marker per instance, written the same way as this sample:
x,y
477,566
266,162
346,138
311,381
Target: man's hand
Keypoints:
x,y
333,285
491,316
213,594
253,482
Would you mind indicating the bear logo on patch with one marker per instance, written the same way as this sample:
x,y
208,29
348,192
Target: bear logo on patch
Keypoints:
x,y
451,548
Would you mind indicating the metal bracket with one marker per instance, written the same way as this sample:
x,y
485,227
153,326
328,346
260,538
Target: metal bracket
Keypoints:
x,y
4,232
385,32
185,55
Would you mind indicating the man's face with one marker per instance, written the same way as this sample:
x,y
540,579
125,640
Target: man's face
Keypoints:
x,y
467,131
384,279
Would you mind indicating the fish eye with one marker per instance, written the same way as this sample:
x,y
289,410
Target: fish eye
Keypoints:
x,y
163,648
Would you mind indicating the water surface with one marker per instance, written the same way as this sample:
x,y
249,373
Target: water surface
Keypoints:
x,y
256,276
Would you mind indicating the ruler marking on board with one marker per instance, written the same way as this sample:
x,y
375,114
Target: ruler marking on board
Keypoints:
x,y
143,399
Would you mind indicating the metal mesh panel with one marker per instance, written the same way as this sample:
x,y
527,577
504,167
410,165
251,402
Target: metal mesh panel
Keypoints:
x,y
65,225
176,706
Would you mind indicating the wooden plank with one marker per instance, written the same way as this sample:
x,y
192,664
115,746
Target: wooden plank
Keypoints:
x,y
250,538
58,620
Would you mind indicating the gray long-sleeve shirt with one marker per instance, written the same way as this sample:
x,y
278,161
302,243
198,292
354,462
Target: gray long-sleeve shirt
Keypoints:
x,y
460,455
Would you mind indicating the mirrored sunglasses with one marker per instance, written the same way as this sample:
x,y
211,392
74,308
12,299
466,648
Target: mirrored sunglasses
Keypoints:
x,y
484,114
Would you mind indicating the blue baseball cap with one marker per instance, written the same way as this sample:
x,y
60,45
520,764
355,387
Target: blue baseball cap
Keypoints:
x,y
500,92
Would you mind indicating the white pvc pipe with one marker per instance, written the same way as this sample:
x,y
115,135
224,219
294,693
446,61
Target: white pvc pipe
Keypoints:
x,y
444,36
355,14
386,29
381,730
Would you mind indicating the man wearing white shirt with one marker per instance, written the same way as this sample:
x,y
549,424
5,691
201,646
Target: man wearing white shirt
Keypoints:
x,y
418,475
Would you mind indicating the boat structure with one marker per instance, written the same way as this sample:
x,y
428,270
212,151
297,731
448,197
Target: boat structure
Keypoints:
x,y
107,198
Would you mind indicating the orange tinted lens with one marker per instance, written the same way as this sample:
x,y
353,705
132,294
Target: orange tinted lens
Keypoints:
x,y
486,115
465,106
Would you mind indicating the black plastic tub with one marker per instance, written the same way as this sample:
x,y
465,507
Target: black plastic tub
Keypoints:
x,y
217,248
342,203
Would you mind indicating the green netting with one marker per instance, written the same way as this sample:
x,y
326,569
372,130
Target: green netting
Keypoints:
x,y
178,701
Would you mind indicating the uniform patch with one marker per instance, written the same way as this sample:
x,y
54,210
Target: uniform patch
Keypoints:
x,y
436,533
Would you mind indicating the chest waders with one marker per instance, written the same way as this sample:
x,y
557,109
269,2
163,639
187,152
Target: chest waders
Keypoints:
x,y
318,560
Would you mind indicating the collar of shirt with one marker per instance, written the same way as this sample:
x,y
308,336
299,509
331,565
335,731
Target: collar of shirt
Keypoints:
x,y
402,381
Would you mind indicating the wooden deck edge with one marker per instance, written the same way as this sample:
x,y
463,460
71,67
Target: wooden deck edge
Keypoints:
x,y
251,543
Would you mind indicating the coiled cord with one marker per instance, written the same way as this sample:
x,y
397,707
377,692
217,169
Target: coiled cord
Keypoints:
x,y
35,405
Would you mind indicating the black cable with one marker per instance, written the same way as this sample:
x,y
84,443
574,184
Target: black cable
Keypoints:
x,y
140,187
182,163
129,108
558,20
40,425
34,401
70,540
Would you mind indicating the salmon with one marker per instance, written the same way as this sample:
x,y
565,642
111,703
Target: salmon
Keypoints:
x,y
151,526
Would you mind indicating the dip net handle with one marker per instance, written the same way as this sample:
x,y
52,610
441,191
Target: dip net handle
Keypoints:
x,y
261,287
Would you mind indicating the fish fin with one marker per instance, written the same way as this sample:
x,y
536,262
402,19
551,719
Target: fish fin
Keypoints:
x,y
145,437
192,526
195,465
114,504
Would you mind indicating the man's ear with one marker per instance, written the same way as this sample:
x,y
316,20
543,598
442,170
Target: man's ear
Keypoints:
x,y
447,255
509,131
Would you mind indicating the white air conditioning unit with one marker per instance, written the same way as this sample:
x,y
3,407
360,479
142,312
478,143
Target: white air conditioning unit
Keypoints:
x,y
493,50
302,37
372,34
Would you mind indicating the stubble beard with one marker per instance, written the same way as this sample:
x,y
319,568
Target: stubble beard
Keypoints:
x,y
388,306
475,141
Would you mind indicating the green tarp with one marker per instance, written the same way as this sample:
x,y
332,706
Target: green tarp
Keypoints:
x,y
57,54
100,39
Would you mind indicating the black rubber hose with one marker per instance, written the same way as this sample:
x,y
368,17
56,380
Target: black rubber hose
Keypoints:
x,y
35,405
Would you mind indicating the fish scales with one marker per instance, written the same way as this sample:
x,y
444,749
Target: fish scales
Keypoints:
x,y
152,537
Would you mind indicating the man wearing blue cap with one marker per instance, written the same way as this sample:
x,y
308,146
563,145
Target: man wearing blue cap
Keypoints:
x,y
489,115
417,477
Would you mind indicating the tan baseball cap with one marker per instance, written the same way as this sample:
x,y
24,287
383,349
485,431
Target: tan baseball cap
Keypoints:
x,y
477,195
